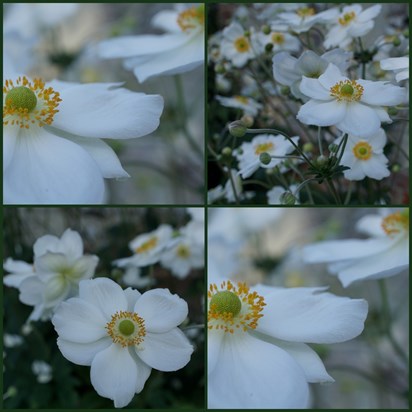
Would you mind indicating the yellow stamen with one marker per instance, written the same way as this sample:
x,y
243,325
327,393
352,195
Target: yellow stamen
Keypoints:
x,y
347,90
242,99
305,11
148,245
242,44
191,18
263,148
278,38
347,18
126,328
362,150
395,223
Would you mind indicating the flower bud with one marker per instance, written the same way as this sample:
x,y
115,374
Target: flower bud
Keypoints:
x,y
237,128
268,47
307,147
247,120
396,42
220,68
396,168
265,158
287,198
266,29
321,160
227,151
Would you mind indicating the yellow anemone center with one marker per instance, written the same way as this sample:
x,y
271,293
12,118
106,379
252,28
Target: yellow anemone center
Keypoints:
x,y
347,90
242,44
148,245
362,150
28,102
264,147
126,328
396,223
183,252
233,307
305,11
242,99
191,18
347,18
278,38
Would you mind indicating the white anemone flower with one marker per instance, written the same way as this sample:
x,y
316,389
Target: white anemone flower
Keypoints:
x,y
247,104
353,106
350,23
258,357
279,40
42,370
249,154
122,335
52,152
148,247
364,155
384,254
180,50
400,65
59,266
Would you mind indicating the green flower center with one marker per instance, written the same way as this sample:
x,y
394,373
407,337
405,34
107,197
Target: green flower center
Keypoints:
x,y
21,98
126,327
347,90
226,302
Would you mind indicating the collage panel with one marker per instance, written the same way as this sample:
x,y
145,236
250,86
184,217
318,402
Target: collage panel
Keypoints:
x,y
308,308
103,103
103,308
308,104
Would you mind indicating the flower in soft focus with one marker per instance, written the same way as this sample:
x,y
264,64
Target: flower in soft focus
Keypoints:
x,y
257,352
180,50
384,254
364,155
122,335
52,152
289,70
353,106
400,65
350,23
277,193
12,341
132,277
247,104
279,41
236,46
43,371
59,265
249,154
148,247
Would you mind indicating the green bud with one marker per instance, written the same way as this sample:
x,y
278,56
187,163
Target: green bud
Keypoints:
x,y
321,160
396,168
246,33
392,111
406,33
307,147
21,97
265,158
220,68
226,151
126,327
268,47
266,29
396,42
287,198
237,129
247,120
226,302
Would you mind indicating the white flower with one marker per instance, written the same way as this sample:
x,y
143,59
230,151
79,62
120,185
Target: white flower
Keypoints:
x,y
59,266
12,341
249,155
400,65
52,152
275,194
132,277
235,46
279,40
353,106
148,247
43,371
350,23
385,254
247,104
180,50
122,335
364,155
257,352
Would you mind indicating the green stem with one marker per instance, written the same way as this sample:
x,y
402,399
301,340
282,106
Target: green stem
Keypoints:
x,y
333,191
320,141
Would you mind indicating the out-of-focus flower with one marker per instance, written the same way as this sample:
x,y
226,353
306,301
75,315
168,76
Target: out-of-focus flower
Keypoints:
x,y
43,371
52,152
59,266
11,341
385,254
122,335
353,106
247,104
400,65
259,335
249,155
132,277
350,23
364,155
279,41
178,51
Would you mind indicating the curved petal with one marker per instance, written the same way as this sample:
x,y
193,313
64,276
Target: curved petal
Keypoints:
x,y
319,113
311,65
283,69
331,76
252,374
71,244
299,315
104,294
161,310
381,93
369,13
44,244
114,375
166,20
49,170
144,370
10,134
359,119
78,321
82,353
84,268
395,63
371,225
31,291
214,343
100,111
132,295
168,351
313,89
376,167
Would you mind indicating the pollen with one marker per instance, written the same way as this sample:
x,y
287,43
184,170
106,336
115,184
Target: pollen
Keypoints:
x,y
233,307
396,223
347,90
305,12
126,328
362,150
148,245
242,44
347,18
263,148
27,103
191,18
278,38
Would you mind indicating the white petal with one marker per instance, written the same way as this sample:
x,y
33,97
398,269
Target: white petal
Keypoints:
x,y
283,69
168,351
331,76
395,63
252,374
369,13
311,65
382,93
71,244
371,225
214,342
300,315
376,167
44,244
31,291
114,375
50,263
161,310
313,89
166,20
84,268
99,110
319,113
359,119
82,353
132,295
78,321
10,134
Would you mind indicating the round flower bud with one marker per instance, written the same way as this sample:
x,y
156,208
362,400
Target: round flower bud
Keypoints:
x,y
287,198
396,168
307,147
321,160
247,120
396,42
237,129
268,47
266,29
265,158
220,68
226,151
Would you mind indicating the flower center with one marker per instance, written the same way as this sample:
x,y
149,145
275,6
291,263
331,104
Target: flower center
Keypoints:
x,y
264,147
278,38
395,223
233,307
183,252
28,102
126,328
242,99
242,44
347,90
305,11
362,150
148,245
347,18
191,18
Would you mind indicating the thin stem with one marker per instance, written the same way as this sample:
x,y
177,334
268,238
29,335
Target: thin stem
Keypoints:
x,y
232,183
348,194
308,191
320,141
335,194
